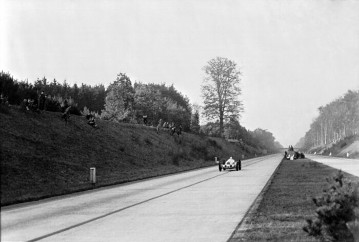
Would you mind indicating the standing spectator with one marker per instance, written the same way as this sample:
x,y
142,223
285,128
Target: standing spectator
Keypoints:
x,y
145,119
65,105
42,101
159,125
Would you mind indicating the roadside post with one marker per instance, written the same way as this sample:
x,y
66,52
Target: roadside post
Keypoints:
x,y
93,175
240,164
347,154
242,157
216,160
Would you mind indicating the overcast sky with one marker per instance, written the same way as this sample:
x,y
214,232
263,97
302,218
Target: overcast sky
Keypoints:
x,y
294,55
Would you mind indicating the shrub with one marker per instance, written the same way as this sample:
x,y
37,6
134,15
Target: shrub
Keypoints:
x,y
75,110
53,105
336,208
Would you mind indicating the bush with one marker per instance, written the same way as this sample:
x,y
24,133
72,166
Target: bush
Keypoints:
x,y
336,208
52,105
75,111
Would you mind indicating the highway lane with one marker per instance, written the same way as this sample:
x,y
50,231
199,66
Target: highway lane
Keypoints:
x,y
201,205
350,166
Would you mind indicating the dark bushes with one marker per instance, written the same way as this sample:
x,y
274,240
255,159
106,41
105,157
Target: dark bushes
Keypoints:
x,y
336,207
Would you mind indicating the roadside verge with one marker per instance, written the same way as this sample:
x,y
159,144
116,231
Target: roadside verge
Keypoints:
x,y
281,209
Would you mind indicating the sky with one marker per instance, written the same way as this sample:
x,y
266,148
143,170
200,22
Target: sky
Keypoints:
x,y
294,56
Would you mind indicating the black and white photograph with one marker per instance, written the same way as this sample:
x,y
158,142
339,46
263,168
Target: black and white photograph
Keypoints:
x,y
179,120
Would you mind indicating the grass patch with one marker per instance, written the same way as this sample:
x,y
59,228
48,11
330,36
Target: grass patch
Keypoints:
x,y
287,203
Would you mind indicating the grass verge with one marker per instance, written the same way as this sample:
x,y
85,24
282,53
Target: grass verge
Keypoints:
x,y
287,203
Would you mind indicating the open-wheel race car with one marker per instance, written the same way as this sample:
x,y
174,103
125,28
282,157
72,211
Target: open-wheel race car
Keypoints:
x,y
230,164
291,154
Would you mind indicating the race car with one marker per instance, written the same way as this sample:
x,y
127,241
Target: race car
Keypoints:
x,y
293,155
230,164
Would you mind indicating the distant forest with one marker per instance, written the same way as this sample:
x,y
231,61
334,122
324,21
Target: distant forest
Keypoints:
x,y
124,101
336,120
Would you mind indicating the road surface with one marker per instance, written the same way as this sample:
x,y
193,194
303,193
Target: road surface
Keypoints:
x,y
350,166
202,205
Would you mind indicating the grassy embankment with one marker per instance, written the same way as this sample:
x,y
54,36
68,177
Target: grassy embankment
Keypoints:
x,y
348,145
43,157
286,204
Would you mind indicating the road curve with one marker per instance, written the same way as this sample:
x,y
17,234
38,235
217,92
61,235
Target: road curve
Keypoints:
x,y
201,205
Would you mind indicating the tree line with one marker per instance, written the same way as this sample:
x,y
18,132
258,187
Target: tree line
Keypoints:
x,y
125,101
92,97
336,120
122,101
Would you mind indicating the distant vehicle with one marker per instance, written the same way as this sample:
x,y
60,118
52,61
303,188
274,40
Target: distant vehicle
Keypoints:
x,y
230,164
293,155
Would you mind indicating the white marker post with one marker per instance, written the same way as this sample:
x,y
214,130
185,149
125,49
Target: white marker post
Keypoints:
x,y
347,154
93,175
215,159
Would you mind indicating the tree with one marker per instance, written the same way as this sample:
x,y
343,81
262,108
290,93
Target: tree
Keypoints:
x,y
266,140
221,90
119,99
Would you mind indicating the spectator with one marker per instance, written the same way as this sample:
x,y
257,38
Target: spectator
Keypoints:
x,y
42,99
145,119
65,105
91,120
159,125
25,105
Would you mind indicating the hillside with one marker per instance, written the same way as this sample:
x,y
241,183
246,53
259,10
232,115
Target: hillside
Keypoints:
x,y
348,145
43,157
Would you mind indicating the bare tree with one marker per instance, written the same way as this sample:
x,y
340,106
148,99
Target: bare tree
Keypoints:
x,y
221,90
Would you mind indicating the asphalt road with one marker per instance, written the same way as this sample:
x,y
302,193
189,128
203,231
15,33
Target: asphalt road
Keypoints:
x,y
348,165
202,205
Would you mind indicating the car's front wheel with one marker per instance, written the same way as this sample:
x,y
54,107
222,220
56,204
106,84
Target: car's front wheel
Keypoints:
x,y
219,167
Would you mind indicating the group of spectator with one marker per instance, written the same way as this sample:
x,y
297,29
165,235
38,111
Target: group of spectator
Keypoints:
x,y
171,127
33,104
4,99
39,104
91,120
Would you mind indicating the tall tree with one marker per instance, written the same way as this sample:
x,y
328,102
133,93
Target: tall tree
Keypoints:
x,y
221,91
119,99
